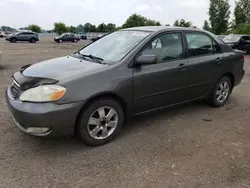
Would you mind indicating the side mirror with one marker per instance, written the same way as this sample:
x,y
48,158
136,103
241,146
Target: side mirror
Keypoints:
x,y
146,60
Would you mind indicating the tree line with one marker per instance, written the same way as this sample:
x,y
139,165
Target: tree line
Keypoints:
x,y
219,17
218,23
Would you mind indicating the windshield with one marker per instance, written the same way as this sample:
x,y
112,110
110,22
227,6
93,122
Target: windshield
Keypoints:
x,y
231,38
115,46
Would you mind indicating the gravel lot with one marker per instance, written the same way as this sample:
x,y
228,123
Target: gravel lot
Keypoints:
x,y
186,146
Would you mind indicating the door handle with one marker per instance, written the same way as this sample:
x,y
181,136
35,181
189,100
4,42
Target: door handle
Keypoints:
x,y
182,66
218,60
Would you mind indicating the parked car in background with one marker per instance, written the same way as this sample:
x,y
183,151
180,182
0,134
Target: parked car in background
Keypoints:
x,y
129,72
82,36
239,42
23,36
2,34
98,37
67,37
221,36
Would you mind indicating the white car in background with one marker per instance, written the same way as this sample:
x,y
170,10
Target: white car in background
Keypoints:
x,y
2,34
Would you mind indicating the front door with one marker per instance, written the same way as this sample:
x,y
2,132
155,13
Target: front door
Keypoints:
x,y
161,84
22,36
205,64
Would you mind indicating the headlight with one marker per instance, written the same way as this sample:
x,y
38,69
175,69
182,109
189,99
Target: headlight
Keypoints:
x,y
44,93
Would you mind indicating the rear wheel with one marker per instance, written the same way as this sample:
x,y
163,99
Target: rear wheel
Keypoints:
x,y
75,40
221,92
32,40
13,40
100,122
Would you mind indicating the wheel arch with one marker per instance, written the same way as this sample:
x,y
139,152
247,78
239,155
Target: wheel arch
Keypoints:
x,y
231,77
113,96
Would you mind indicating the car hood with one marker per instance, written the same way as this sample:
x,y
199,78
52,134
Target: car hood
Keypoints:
x,y
62,68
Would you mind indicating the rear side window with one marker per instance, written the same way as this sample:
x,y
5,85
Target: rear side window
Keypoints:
x,y
166,47
246,38
200,45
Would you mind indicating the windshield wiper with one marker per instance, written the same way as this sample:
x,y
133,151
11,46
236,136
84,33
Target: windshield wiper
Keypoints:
x,y
97,59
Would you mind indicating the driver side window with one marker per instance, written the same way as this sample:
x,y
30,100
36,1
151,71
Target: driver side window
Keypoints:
x,y
166,47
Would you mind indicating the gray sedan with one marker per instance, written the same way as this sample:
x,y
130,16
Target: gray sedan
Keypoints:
x,y
129,72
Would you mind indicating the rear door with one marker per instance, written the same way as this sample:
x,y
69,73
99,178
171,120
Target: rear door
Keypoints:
x,y
69,38
205,59
161,84
65,37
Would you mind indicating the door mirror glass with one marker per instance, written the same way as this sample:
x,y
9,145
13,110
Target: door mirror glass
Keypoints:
x,y
146,60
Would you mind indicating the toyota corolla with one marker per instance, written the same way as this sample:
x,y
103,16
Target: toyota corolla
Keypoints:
x,y
129,72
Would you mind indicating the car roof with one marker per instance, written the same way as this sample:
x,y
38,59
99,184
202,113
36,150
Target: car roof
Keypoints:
x,y
238,35
160,28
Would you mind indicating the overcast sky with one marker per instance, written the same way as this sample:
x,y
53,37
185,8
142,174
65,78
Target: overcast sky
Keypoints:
x,y
20,13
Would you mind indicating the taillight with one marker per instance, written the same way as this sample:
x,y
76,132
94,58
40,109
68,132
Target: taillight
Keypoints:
x,y
243,58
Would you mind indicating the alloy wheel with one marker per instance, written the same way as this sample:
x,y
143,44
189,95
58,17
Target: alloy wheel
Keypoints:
x,y
222,91
102,122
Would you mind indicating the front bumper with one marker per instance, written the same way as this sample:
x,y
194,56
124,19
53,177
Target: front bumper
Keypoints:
x,y
60,119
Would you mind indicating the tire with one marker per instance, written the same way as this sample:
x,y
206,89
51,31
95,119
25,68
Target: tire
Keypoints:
x,y
75,40
60,41
221,92
32,40
102,135
13,40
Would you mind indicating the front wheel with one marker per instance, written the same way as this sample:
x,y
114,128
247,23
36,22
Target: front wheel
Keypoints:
x,y
100,122
221,92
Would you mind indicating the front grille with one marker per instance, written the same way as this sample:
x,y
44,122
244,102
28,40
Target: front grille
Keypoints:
x,y
14,89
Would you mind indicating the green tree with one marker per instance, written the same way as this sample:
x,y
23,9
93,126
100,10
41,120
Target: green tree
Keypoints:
x,y
176,23
72,29
102,28
206,26
60,28
242,12
88,27
93,28
111,27
80,28
136,20
219,14
242,29
182,23
34,28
